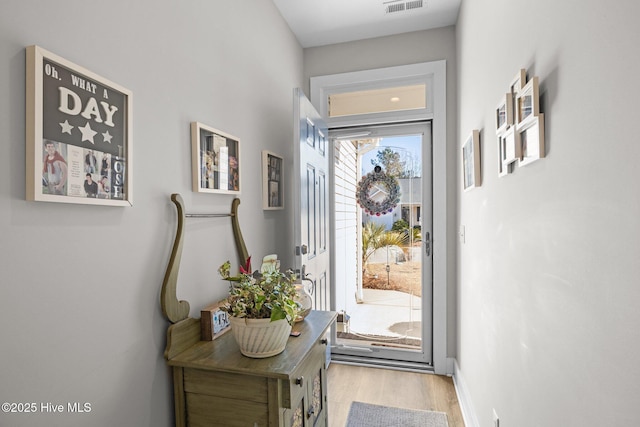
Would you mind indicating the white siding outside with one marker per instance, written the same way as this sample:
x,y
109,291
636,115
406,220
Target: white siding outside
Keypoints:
x,y
347,212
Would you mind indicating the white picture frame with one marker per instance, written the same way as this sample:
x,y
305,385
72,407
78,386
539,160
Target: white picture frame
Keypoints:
x,y
215,160
531,135
518,82
512,148
515,87
528,102
471,173
509,150
504,170
504,113
79,138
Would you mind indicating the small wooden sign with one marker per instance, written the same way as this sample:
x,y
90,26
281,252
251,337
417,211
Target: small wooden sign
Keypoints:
x,y
213,322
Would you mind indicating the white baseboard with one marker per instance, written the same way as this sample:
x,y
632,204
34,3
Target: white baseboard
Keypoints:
x,y
466,406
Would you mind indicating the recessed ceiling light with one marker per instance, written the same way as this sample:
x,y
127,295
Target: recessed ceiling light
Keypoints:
x,y
395,99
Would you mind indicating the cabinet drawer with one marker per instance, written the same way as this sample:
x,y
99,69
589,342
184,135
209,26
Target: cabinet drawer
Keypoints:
x,y
222,384
211,411
293,390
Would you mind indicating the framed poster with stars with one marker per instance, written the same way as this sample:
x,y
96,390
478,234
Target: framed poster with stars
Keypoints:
x,y
79,134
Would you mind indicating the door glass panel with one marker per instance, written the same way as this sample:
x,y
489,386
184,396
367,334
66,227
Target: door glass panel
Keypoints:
x,y
383,291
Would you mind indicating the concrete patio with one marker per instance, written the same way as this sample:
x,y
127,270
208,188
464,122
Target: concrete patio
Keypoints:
x,y
387,314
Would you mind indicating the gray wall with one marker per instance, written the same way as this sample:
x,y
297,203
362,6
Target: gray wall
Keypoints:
x,y
79,293
404,49
548,319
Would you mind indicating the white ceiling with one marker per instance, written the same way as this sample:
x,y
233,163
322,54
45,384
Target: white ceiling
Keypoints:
x,y
322,22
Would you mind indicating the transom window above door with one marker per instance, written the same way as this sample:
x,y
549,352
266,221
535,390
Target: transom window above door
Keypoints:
x,y
385,95
384,100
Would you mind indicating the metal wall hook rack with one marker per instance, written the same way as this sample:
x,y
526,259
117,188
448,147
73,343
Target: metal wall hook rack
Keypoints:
x,y
207,215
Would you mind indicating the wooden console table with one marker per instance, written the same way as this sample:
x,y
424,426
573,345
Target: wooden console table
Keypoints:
x,y
215,385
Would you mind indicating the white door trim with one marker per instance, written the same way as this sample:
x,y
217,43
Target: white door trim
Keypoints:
x,y
434,75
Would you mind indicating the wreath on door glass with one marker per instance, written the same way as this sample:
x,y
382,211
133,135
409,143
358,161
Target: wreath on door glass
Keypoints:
x,y
378,193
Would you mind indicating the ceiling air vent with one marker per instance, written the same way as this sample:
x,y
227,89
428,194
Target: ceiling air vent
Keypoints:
x,y
416,4
396,7
400,6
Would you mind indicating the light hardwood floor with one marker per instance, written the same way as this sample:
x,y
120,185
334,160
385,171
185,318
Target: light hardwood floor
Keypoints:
x,y
347,383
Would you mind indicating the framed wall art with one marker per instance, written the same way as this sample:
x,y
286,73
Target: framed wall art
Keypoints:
x,y
527,101
272,180
509,150
78,136
215,158
504,113
520,142
471,161
518,82
502,169
531,136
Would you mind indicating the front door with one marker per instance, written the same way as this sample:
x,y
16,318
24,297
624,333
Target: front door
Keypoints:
x,y
383,261
311,233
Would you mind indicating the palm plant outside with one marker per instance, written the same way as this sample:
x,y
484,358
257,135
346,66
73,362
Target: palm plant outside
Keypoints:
x,y
412,234
375,236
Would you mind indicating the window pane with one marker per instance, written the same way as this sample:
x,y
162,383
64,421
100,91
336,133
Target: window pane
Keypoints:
x,y
401,98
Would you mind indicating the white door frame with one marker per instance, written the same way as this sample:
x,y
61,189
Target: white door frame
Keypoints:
x,y
390,356
434,75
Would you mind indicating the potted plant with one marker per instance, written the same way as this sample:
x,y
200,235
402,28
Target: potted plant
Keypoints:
x,y
261,307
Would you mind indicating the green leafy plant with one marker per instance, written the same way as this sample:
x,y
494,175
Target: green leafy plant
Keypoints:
x,y
375,236
400,225
409,235
260,295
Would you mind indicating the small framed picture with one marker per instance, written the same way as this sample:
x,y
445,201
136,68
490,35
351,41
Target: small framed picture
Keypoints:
x,y
215,158
527,102
531,135
504,170
512,149
79,134
471,161
213,322
509,150
518,82
503,167
504,113
272,179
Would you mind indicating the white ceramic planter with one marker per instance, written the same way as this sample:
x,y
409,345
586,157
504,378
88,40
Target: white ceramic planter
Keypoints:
x,y
259,338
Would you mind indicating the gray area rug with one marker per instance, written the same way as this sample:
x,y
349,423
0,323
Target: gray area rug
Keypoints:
x,y
368,415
